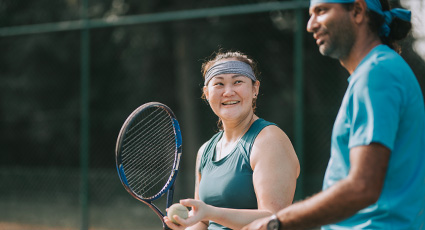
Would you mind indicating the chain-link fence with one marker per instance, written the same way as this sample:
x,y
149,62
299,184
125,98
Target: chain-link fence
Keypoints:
x,y
52,118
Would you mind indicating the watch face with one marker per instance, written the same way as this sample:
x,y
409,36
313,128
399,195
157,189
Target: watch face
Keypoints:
x,y
273,224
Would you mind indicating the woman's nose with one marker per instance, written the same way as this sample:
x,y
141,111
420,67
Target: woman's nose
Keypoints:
x,y
229,91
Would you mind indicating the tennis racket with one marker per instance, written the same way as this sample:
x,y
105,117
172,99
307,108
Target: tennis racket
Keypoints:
x,y
148,151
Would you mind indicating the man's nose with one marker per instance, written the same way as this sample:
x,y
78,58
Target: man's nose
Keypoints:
x,y
312,24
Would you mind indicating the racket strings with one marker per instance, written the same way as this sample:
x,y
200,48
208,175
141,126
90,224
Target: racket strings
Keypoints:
x,y
141,141
149,152
136,130
150,184
153,179
153,161
170,147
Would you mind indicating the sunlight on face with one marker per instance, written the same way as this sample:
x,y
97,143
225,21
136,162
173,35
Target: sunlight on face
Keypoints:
x,y
332,28
230,95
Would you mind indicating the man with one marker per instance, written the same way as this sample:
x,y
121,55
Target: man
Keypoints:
x,y
376,175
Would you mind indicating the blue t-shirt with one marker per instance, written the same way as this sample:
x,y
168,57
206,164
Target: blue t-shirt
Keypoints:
x,y
383,104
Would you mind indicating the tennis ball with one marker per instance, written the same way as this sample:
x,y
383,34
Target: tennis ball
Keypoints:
x,y
179,210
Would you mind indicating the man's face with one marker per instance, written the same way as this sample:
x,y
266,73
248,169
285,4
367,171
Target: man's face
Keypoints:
x,y
332,28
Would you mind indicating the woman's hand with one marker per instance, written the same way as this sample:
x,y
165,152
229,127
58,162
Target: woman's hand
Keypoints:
x,y
199,212
260,224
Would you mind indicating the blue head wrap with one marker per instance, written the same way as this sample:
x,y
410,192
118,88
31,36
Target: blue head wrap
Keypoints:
x,y
375,5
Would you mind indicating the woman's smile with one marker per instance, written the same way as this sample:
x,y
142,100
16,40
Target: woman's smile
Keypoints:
x,y
230,102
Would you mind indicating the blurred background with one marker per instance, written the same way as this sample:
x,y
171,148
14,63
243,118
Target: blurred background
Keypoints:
x,y
71,71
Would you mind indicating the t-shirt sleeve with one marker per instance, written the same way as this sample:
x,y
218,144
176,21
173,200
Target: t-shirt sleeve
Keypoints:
x,y
374,110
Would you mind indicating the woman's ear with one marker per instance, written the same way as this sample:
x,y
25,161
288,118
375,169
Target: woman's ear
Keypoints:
x,y
205,89
256,88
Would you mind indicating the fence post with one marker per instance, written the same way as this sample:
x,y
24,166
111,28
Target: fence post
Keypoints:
x,y
85,116
299,97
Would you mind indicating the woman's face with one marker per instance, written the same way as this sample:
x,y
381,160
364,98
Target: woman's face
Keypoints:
x,y
230,95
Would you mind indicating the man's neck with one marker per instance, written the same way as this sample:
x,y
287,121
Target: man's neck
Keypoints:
x,y
359,51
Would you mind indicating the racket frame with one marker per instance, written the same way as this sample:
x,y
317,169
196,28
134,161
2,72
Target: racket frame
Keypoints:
x,y
169,186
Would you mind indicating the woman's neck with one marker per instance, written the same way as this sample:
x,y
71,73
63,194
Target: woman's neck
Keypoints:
x,y
233,131
231,136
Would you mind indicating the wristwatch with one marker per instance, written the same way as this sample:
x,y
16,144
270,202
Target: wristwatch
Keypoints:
x,y
274,223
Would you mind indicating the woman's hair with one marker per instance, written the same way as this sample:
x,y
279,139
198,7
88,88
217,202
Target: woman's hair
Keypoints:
x,y
399,29
223,55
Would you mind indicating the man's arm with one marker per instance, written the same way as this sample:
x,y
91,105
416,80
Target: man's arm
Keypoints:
x,y
360,189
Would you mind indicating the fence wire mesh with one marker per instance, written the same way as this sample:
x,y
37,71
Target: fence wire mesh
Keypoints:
x,y
40,102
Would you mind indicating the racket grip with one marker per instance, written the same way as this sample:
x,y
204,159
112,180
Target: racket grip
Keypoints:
x,y
170,196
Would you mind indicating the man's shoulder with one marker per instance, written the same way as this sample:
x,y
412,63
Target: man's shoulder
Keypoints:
x,y
384,56
383,61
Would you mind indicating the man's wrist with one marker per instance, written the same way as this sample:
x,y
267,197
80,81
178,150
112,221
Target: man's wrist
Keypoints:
x,y
274,223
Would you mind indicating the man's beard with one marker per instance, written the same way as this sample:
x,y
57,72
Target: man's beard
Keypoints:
x,y
340,42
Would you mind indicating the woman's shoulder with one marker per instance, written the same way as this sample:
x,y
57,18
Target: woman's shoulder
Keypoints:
x,y
272,137
269,129
272,132
266,134
273,145
263,123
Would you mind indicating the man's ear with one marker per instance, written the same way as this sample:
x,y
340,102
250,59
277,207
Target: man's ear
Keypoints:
x,y
359,11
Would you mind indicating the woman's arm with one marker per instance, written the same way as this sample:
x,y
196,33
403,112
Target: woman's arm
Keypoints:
x,y
276,169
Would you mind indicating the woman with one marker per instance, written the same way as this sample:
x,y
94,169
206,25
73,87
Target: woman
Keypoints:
x,y
249,169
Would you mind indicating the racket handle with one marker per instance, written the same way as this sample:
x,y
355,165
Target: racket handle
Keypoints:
x,y
170,193
170,196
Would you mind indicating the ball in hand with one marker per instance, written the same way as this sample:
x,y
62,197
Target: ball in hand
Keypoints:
x,y
179,210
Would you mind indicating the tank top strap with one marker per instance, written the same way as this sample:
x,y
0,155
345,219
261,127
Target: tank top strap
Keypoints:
x,y
244,145
209,150
252,133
